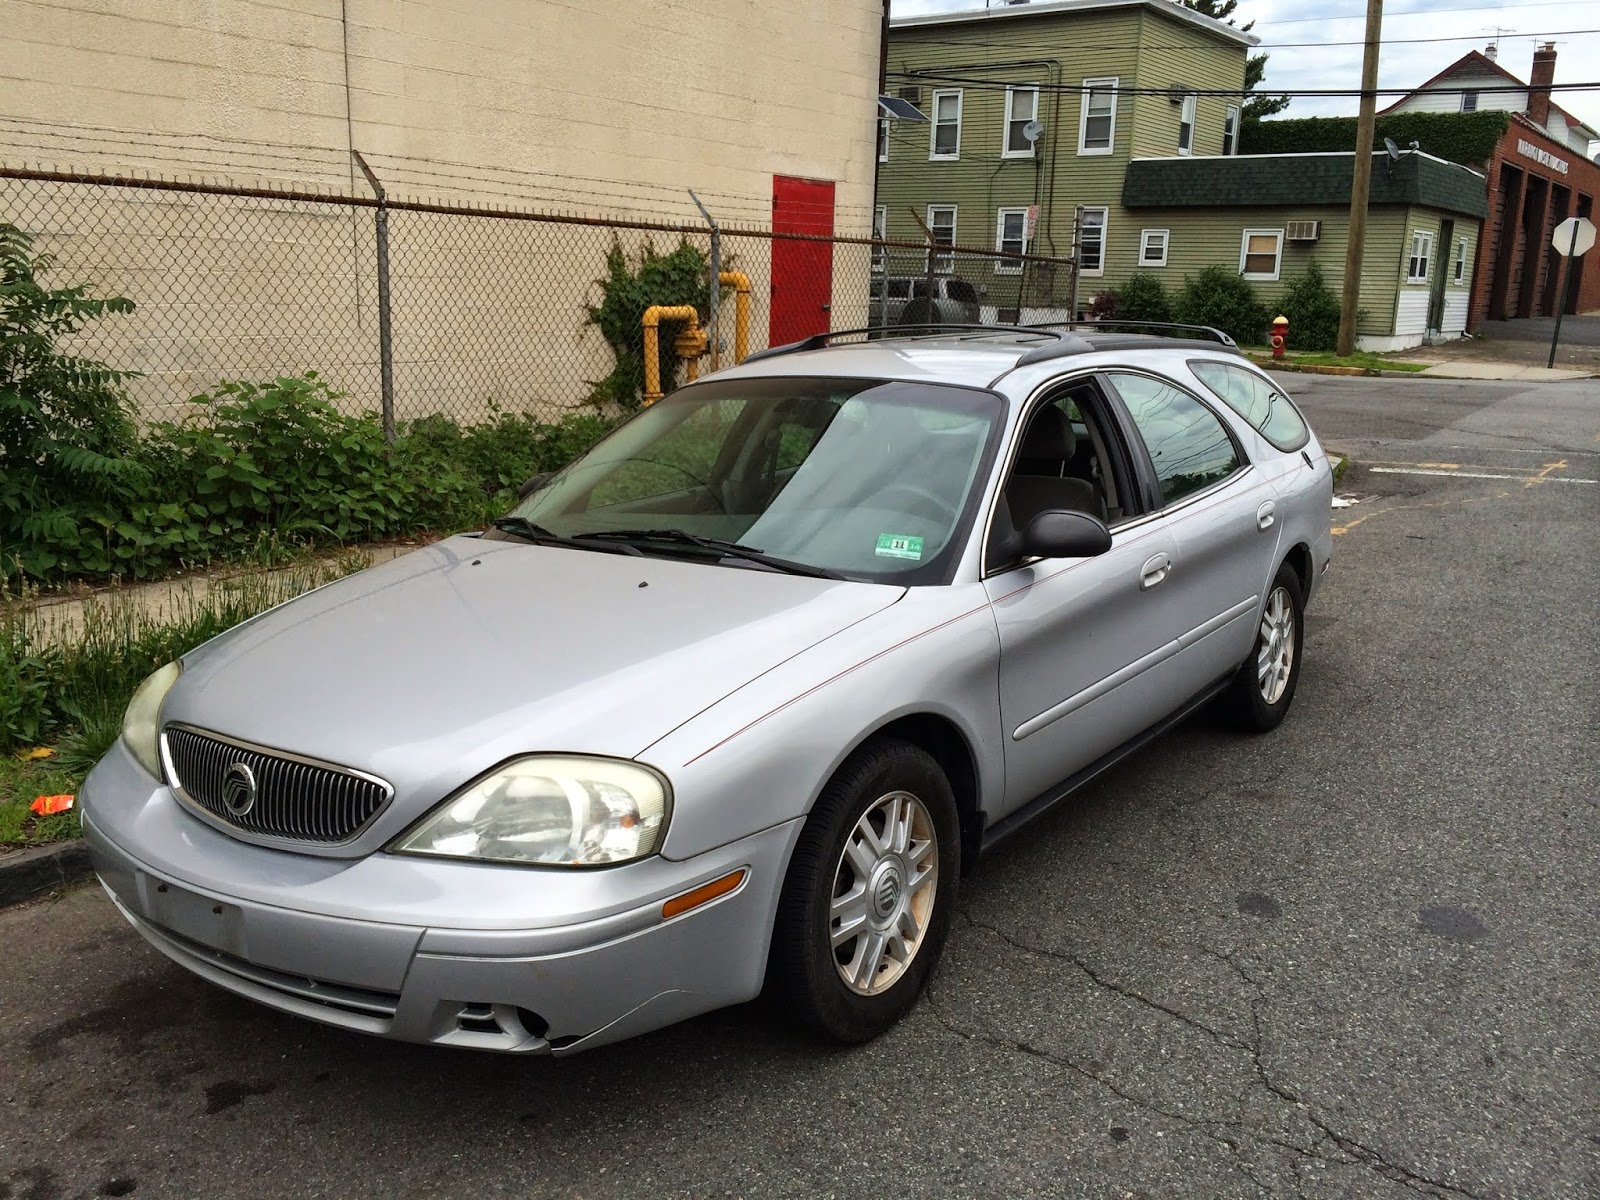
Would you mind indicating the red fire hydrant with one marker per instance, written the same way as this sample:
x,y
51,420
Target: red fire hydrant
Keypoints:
x,y
1280,336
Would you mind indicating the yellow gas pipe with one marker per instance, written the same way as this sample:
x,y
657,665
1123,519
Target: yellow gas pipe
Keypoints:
x,y
740,283
690,344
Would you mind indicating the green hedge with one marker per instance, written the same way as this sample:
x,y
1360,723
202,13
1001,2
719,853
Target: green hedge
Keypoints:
x,y
1455,137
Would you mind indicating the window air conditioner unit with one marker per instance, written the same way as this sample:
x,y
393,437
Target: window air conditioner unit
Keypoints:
x,y
1303,231
912,95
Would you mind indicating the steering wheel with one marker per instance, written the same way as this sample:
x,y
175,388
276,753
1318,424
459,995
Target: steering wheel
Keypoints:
x,y
943,509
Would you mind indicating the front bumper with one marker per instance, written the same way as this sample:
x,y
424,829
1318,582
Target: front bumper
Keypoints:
x,y
452,953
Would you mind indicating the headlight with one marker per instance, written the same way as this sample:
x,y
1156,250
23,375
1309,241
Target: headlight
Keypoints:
x,y
141,724
549,810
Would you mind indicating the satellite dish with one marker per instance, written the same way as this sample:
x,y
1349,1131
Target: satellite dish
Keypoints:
x,y
1033,130
1394,150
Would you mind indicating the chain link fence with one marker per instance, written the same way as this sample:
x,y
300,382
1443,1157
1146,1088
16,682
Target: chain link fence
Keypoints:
x,y
412,308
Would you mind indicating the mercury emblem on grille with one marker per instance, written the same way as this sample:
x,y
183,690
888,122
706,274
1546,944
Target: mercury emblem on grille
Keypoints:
x,y
239,789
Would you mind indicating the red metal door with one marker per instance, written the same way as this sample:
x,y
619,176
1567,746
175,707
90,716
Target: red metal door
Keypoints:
x,y
802,271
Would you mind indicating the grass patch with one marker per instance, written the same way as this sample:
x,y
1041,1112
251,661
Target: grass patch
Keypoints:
x,y
20,782
1339,468
69,691
1364,359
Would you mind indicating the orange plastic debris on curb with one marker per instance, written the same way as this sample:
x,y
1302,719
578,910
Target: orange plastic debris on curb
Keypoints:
x,y
37,753
49,806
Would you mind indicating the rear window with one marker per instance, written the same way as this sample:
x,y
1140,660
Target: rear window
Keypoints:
x,y
1257,400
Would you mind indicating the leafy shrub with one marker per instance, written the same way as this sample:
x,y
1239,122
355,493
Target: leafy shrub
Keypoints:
x,y
278,456
1104,306
66,425
1144,298
1313,311
627,290
27,710
1224,300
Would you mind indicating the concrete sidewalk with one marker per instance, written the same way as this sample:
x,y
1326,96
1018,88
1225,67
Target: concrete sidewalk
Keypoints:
x,y
1502,370
59,617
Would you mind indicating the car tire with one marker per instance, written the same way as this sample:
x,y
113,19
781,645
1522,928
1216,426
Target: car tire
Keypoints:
x,y
861,869
1264,687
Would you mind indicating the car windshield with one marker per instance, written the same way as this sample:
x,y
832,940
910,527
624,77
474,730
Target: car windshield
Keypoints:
x,y
875,481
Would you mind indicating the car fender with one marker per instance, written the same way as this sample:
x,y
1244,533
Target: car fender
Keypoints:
x,y
763,755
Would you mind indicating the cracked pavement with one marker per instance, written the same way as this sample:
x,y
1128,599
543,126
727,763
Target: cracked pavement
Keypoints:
x,y
1355,958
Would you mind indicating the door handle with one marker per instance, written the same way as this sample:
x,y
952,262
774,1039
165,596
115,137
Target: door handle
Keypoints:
x,y
1266,515
1154,571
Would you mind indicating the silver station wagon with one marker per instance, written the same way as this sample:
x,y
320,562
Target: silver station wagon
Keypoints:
x,y
728,705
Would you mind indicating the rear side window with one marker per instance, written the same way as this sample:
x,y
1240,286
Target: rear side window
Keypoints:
x,y
1188,445
961,291
1254,398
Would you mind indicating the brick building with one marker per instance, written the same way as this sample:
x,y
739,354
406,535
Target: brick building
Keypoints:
x,y
1540,173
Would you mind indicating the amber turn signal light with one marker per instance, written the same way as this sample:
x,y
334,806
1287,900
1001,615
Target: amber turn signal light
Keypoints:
x,y
704,894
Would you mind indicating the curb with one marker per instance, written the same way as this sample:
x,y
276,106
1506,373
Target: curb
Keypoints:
x,y
43,869
1310,369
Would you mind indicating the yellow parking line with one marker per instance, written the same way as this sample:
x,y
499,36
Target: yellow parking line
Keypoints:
x,y
1548,467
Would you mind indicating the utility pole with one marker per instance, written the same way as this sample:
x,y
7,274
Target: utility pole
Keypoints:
x,y
1361,183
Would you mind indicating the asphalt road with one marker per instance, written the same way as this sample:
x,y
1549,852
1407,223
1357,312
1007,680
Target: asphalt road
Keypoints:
x,y
1355,958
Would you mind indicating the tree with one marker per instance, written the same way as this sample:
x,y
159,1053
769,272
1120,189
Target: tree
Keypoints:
x,y
1255,67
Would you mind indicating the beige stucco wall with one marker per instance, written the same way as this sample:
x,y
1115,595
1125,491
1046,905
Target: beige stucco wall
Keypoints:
x,y
608,103
595,107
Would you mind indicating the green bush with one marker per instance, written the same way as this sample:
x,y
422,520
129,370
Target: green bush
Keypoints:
x,y
625,293
278,456
1144,298
66,425
1105,305
1223,299
1313,311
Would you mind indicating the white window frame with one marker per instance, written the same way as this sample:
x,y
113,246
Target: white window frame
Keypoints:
x,y
1230,130
1460,275
1144,242
1105,228
883,139
1108,84
1005,130
880,233
1244,254
1003,266
1186,120
933,128
949,265
1426,238
1469,100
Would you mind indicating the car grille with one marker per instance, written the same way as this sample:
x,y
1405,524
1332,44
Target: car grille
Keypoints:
x,y
293,797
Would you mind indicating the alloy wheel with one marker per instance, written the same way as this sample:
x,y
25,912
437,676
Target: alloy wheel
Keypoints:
x,y
1275,646
884,887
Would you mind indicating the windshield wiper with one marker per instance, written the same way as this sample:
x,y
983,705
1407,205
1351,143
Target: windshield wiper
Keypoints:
x,y
683,537
540,536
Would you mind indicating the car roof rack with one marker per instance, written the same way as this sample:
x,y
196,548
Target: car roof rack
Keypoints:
x,y
1065,342
1137,328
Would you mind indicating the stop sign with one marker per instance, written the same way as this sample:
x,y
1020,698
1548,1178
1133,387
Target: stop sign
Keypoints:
x,y
1562,238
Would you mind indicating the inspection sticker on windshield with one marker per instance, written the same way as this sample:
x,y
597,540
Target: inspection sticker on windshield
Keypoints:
x,y
896,545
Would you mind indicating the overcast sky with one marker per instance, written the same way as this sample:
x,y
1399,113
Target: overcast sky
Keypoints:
x,y
1402,63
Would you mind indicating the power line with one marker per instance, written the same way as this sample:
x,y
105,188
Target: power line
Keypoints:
x,y
932,75
1427,12
1109,49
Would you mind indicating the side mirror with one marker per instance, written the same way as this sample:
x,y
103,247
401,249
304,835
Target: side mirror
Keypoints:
x,y
1062,533
534,484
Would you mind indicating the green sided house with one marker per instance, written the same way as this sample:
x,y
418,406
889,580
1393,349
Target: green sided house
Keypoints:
x,y
1128,112
1272,216
1033,110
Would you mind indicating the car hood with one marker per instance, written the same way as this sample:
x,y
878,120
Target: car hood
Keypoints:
x,y
435,667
